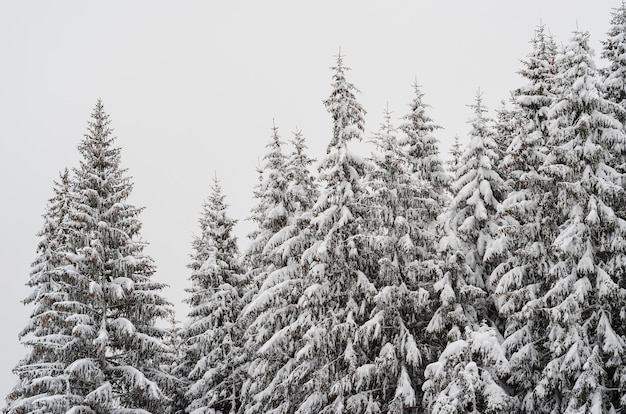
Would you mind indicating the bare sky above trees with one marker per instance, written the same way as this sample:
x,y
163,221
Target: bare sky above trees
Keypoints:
x,y
192,89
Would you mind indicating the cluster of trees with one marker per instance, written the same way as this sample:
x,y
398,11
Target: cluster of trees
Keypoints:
x,y
389,283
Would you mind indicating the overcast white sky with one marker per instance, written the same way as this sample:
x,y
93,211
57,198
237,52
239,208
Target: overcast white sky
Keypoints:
x,y
192,88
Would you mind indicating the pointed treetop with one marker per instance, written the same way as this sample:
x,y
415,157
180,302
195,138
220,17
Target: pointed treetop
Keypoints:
x,y
216,189
419,122
478,102
418,90
387,126
479,119
348,114
339,66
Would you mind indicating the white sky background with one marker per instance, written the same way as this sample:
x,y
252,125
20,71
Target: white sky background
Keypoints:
x,y
192,88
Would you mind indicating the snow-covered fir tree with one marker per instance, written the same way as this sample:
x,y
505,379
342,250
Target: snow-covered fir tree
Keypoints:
x,y
466,378
614,50
210,334
109,349
335,286
270,215
117,348
456,152
506,124
614,76
42,385
529,131
469,256
429,195
585,298
528,231
387,379
302,190
276,304
270,212
471,219
393,192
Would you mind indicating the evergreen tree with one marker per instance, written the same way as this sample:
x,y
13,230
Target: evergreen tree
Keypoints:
x,y
211,334
614,76
177,368
506,125
109,348
585,298
302,190
393,193
387,379
430,181
271,216
270,212
473,212
466,377
275,307
470,255
529,131
614,50
528,230
335,285
42,385
456,152
117,351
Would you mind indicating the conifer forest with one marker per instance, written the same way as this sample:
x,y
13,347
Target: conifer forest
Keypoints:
x,y
382,282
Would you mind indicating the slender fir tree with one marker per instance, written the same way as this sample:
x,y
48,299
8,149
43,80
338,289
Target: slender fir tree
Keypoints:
x,y
456,152
614,76
528,231
464,303
211,334
614,50
275,307
335,285
467,376
117,349
108,347
43,383
585,298
388,378
271,216
430,180
507,123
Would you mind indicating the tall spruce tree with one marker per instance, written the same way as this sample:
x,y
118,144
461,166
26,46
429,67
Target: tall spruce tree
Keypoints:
x,y
117,351
529,132
528,231
430,180
335,285
614,50
467,378
456,152
270,215
43,382
464,305
211,334
507,123
471,219
109,348
275,307
614,76
585,298
387,379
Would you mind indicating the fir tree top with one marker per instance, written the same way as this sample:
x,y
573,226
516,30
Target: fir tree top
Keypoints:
x,y
614,50
348,114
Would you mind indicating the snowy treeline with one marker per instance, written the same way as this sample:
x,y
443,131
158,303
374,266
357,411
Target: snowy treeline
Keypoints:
x,y
384,283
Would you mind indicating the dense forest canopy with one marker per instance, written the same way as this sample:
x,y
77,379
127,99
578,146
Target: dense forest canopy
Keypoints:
x,y
388,282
